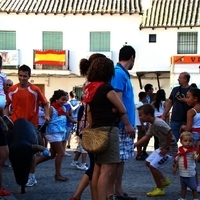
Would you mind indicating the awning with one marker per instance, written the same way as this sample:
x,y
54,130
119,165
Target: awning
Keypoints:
x,y
155,74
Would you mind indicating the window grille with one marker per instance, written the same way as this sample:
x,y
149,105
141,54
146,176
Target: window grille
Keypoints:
x,y
52,40
99,41
187,43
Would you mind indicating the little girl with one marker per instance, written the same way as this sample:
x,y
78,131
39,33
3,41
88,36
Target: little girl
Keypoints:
x,y
55,133
193,115
193,119
185,161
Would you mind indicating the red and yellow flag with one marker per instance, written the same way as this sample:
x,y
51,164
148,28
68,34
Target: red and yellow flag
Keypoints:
x,y
50,57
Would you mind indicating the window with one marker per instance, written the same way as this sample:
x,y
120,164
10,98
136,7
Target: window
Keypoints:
x,y
152,38
187,43
79,91
100,41
54,41
8,40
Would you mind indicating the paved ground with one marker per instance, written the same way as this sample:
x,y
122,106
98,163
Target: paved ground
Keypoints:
x,y
137,181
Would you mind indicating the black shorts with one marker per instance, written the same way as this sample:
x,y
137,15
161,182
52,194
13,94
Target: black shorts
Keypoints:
x,y
3,138
90,170
42,128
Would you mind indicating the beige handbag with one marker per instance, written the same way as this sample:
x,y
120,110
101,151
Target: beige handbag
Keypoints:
x,y
94,140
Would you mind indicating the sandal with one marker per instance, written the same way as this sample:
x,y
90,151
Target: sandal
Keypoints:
x,y
73,198
125,197
61,178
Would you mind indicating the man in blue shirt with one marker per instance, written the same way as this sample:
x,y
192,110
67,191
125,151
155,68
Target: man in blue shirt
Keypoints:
x,y
122,84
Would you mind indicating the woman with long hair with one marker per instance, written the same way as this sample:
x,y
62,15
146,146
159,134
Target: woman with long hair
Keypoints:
x,y
159,106
87,177
104,109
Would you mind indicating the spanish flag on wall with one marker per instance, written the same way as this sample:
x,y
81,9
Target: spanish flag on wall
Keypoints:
x,y
50,57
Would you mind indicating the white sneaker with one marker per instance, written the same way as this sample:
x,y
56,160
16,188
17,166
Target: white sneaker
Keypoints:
x,y
74,164
68,154
82,167
31,182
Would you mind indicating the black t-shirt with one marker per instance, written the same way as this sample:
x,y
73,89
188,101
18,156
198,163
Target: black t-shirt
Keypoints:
x,y
179,110
102,109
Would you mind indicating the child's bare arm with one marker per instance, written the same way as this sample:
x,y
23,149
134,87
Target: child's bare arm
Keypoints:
x,y
175,166
196,156
190,115
142,141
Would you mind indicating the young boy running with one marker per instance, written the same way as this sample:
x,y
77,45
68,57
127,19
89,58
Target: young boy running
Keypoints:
x,y
162,156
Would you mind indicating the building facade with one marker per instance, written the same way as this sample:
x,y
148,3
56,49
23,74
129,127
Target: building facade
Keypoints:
x,y
30,28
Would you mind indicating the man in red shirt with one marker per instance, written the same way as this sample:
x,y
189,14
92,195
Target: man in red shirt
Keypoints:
x,y
25,98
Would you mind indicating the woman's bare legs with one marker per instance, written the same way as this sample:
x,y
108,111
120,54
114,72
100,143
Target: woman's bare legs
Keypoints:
x,y
100,180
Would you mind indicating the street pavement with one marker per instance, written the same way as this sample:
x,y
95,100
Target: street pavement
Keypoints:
x,y
137,181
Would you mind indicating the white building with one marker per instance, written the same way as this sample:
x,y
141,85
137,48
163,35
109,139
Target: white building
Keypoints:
x,y
166,29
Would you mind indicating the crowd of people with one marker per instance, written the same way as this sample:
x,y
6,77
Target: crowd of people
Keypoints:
x,y
108,101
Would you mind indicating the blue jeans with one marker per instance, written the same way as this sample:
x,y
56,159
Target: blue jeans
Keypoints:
x,y
175,127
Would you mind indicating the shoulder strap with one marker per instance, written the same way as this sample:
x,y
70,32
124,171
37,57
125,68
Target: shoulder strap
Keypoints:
x,y
84,125
194,110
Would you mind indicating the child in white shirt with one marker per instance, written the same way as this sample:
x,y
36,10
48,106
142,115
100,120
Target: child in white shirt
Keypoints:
x,y
185,162
141,127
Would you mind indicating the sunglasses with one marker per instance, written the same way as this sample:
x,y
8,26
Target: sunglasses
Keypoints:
x,y
9,84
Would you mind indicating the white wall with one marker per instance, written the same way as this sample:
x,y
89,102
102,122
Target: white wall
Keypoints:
x,y
76,28
157,55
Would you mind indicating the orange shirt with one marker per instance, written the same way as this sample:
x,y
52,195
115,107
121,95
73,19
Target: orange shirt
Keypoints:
x,y
25,102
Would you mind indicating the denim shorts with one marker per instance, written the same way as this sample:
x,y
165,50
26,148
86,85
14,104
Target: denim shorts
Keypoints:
x,y
188,182
196,137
